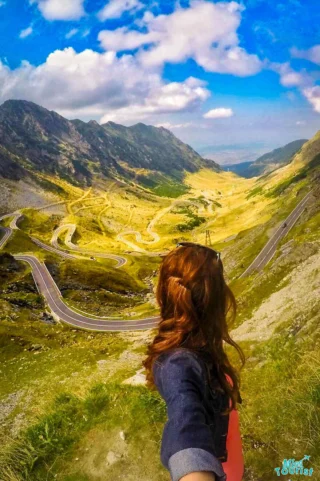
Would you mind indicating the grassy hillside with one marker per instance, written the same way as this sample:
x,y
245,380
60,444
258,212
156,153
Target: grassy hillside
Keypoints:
x,y
70,406
268,162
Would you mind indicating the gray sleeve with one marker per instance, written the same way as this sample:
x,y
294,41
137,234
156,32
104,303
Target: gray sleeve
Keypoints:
x,y
192,460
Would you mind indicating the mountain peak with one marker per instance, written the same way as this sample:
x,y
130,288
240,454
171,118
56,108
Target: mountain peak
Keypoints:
x,y
77,150
94,123
17,104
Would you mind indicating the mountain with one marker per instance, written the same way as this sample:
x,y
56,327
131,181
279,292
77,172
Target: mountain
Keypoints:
x,y
267,162
309,153
34,139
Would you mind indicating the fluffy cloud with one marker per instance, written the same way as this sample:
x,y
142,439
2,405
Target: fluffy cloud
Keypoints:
x,y
115,8
288,76
218,113
312,94
61,9
312,54
302,80
26,32
205,32
163,99
100,85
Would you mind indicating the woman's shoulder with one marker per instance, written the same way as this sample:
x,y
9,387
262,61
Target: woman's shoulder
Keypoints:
x,y
176,368
178,358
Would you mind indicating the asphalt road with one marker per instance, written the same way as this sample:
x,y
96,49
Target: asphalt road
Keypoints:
x,y
16,216
70,230
7,233
59,252
269,249
8,230
50,291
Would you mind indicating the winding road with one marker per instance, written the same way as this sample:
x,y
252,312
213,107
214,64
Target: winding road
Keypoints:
x,y
50,291
155,235
8,230
269,249
70,230
7,234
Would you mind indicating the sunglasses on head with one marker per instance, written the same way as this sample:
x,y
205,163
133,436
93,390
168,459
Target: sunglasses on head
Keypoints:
x,y
194,244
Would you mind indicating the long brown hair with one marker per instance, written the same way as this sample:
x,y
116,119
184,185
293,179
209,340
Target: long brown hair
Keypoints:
x,y
195,304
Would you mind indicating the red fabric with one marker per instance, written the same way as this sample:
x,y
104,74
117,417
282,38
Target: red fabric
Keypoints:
x,y
234,466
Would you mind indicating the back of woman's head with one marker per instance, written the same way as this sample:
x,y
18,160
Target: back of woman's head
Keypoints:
x,y
195,307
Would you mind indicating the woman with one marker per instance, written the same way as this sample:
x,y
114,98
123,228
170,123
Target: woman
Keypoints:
x,y
187,363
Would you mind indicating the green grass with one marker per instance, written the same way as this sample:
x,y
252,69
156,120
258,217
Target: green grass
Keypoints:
x,y
39,224
193,222
200,199
254,192
54,434
94,275
303,175
72,411
242,250
173,190
280,415
6,222
20,242
99,289
46,184
52,441
163,185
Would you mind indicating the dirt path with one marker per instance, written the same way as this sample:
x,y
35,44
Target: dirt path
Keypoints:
x,y
151,225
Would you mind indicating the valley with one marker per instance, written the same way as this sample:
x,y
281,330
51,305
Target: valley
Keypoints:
x,y
82,244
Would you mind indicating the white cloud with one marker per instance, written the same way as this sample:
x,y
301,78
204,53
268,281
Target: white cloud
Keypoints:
x,y
312,94
302,80
288,76
292,79
115,8
26,32
312,54
123,39
61,9
72,32
300,122
100,85
170,126
163,99
205,31
218,113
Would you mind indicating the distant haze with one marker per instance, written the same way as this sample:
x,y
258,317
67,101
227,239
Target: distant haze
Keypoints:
x,y
234,154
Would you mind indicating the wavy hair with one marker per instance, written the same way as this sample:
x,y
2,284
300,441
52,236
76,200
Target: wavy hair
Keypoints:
x,y
196,306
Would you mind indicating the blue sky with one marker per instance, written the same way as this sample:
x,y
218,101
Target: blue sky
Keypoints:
x,y
233,79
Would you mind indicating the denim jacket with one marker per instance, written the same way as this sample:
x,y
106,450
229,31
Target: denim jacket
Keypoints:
x,y
194,437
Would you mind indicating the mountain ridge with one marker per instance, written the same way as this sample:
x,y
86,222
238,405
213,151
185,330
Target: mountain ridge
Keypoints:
x,y
267,162
37,139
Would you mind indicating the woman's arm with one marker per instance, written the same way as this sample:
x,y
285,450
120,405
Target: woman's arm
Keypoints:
x,y
187,447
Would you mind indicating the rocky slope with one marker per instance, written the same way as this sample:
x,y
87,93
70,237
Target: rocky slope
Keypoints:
x,y
33,138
